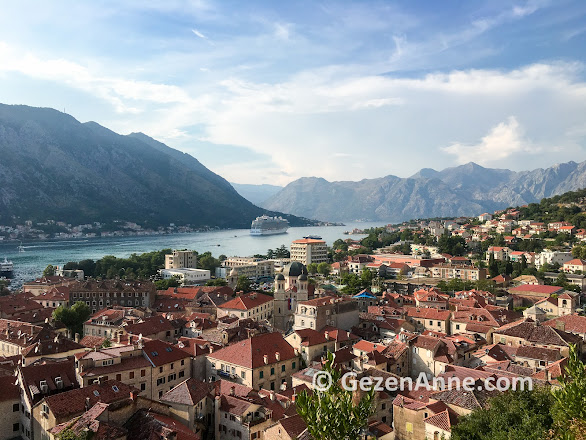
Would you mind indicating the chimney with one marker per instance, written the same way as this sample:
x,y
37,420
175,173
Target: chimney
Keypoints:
x,y
327,336
560,325
211,348
266,359
278,356
132,395
87,403
118,337
232,390
77,338
272,395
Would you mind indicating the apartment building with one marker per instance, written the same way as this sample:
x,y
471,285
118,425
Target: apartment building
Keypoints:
x,y
263,361
450,271
309,250
181,259
98,294
253,305
250,267
317,313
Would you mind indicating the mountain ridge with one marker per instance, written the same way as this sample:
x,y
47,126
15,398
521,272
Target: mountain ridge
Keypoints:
x,y
467,189
54,167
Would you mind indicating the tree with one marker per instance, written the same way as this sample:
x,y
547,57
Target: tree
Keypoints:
x,y
49,271
217,282
569,409
493,267
73,317
312,268
366,276
511,415
334,414
243,284
174,281
324,268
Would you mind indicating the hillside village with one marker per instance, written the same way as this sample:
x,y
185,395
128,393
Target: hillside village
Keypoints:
x,y
498,295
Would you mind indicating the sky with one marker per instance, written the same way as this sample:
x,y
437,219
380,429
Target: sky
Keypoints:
x,y
266,92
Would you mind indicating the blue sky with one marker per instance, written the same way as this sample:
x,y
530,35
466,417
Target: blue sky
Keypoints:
x,y
267,92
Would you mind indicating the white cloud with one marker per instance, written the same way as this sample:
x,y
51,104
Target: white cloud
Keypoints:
x,y
503,141
199,34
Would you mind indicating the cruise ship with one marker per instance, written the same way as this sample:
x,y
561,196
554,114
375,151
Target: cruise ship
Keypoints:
x,y
266,225
6,268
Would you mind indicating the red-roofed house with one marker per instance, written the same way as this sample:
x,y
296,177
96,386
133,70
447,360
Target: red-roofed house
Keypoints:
x,y
311,344
264,361
533,290
429,319
253,305
575,265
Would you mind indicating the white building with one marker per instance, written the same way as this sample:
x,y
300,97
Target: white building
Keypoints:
x,y
309,250
181,259
552,257
187,276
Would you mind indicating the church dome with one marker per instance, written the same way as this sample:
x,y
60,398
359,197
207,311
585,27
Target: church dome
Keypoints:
x,y
280,277
303,277
295,269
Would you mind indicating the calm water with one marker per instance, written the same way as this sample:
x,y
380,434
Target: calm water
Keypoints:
x,y
236,242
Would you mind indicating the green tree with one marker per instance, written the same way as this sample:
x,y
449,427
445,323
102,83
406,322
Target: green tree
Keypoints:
x,y
174,281
312,268
324,268
334,414
493,267
366,276
569,409
73,317
512,415
217,282
69,434
49,271
243,284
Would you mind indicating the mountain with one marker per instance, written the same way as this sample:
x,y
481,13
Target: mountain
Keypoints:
x,y
468,189
54,167
256,194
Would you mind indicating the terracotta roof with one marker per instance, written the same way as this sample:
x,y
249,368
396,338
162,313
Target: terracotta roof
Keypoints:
x,y
443,420
575,262
546,354
148,425
428,313
532,332
427,342
151,326
188,392
247,302
92,341
571,323
48,371
470,400
310,337
10,391
533,288
161,352
293,425
338,335
72,403
250,352
368,346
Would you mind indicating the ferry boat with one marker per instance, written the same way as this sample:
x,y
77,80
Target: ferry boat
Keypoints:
x,y
266,225
6,268
313,237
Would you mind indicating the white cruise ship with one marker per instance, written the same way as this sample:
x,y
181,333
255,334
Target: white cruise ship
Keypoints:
x,y
266,225
6,268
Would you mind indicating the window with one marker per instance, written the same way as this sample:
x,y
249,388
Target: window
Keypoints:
x,y
143,386
15,427
160,369
119,377
181,373
243,374
172,377
172,366
282,368
131,375
261,374
15,407
293,364
182,362
160,381
409,427
142,373
272,371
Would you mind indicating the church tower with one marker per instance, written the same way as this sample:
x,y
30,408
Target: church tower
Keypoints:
x,y
233,278
291,286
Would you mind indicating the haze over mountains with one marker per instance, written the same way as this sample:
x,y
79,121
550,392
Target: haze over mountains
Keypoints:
x,y
54,167
463,190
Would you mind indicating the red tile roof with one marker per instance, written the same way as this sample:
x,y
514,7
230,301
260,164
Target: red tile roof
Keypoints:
x,y
532,288
161,352
247,302
189,392
443,420
569,323
73,403
250,352
310,337
428,313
